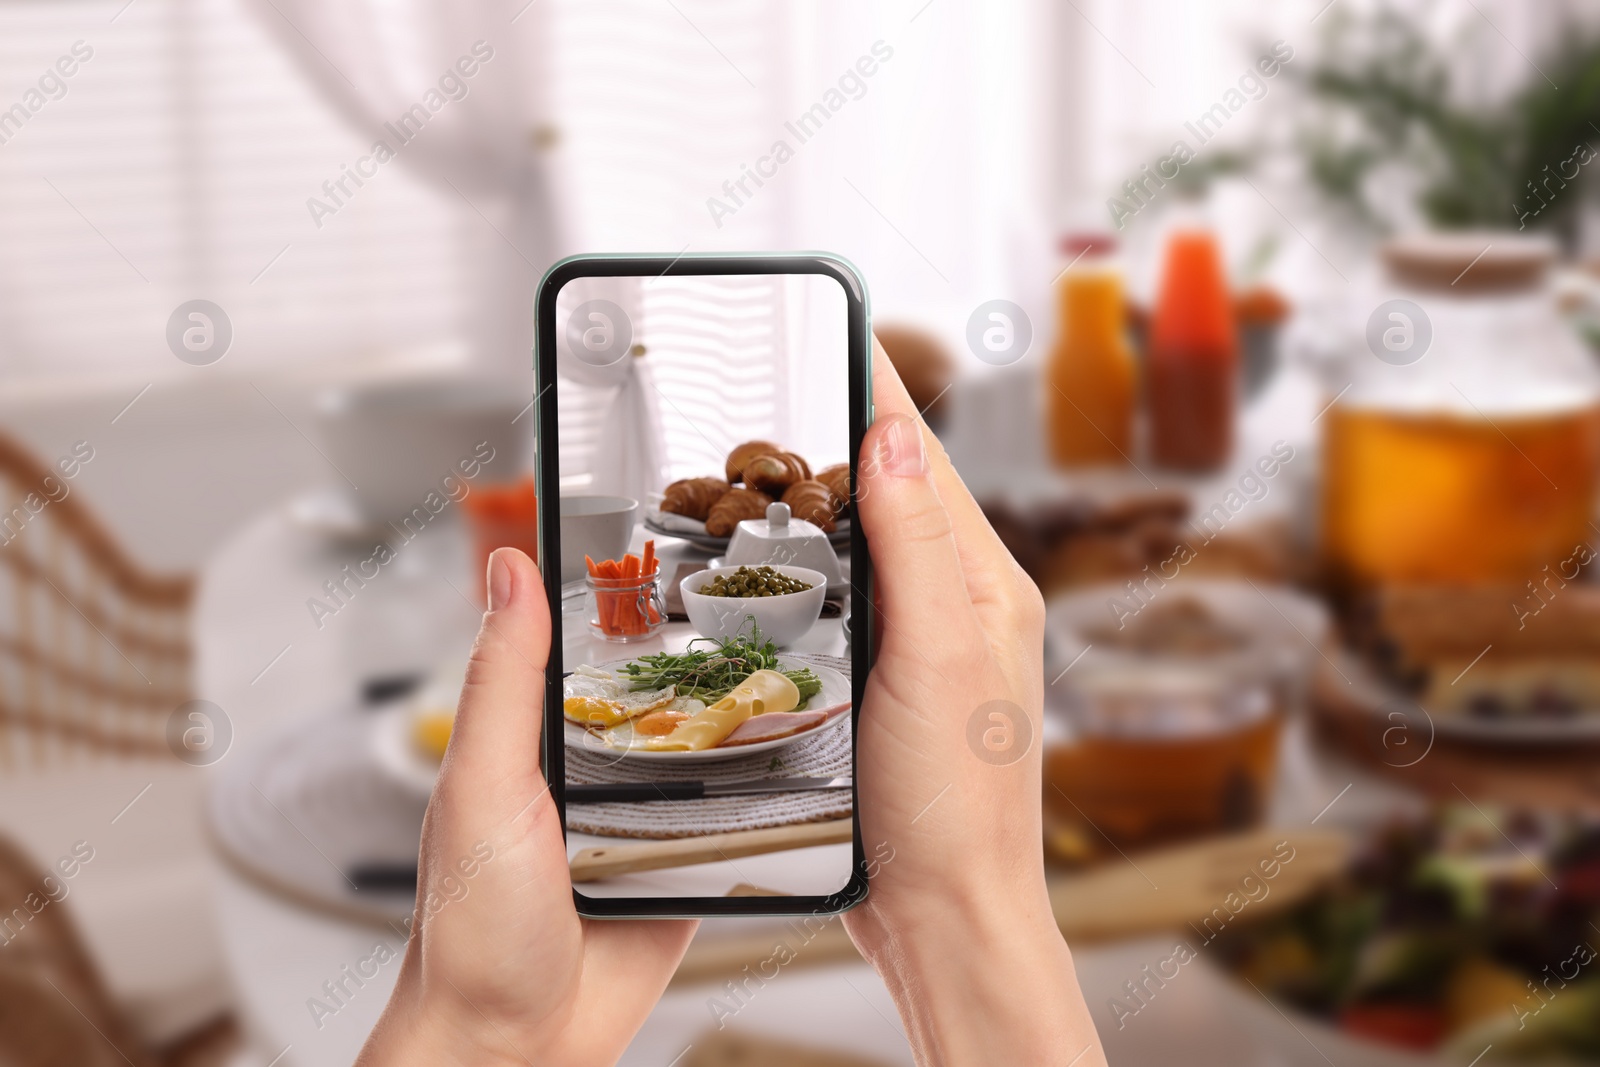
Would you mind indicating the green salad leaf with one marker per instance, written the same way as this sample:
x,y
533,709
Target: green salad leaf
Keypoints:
x,y
711,673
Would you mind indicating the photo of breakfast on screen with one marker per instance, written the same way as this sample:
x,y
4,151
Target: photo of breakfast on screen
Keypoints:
x,y
705,524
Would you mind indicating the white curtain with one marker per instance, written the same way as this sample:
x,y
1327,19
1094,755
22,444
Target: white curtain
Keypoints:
x,y
452,89
620,442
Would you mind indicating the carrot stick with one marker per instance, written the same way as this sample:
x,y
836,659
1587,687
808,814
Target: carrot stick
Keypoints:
x,y
630,566
588,561
648,567
609,569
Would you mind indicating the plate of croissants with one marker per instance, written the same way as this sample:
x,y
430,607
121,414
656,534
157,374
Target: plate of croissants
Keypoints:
x,y
706,511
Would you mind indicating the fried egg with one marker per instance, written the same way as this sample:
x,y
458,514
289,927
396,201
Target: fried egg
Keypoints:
x,y
636,731
599,701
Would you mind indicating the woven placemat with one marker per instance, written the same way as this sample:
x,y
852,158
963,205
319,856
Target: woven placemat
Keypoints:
x,y
823,755
299,811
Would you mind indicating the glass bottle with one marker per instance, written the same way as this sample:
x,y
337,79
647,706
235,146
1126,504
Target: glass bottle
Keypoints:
x,y
1092,374
1193,358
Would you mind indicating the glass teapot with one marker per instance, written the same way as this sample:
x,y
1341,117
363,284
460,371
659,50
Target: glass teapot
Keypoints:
x,y
1463,443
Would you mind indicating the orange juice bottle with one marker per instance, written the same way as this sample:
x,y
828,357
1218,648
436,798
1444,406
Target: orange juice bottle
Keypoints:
x,y
1193,361
1092,379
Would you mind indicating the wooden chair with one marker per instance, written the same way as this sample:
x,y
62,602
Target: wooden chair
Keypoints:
x,y
54,1011
94,651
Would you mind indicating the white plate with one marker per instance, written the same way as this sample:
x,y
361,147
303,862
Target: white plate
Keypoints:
x,y
652,522
396,753
1375,698
1287,1027
835,691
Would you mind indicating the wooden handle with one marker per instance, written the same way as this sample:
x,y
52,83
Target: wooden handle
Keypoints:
x,y
608,861
1198,888
1195,889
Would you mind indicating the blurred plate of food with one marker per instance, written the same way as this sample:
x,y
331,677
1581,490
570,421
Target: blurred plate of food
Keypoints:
x,y
716,700
1463,937
409,736
1490,664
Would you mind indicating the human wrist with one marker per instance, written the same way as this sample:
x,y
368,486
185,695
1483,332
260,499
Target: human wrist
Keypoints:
x,y
423,1030
981,978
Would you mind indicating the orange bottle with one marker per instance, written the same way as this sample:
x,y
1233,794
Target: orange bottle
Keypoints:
x,y
1193,358
1093,383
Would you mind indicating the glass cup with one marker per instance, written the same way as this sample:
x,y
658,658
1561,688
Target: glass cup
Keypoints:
x,y
626,609
1162,753
1167,724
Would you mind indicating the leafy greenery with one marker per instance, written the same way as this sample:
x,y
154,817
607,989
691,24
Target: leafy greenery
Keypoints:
x,y
709,674
1387,103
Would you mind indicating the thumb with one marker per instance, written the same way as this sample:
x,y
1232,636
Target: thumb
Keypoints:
x,y
496,736
915,561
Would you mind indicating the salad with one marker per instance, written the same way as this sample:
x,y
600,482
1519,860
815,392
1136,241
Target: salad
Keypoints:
x,y
1449,934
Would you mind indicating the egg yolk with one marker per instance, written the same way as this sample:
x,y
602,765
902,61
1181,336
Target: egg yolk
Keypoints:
x,y
594,711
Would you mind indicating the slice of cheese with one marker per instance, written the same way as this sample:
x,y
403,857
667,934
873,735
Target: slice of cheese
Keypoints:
x,y
759,694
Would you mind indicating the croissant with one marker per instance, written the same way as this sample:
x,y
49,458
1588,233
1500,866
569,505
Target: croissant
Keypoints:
x,y
837,479
734,468
693,496
775,472
735,505
812,501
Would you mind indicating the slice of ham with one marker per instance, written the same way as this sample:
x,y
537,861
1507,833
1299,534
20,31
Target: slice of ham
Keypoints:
x,y
773,725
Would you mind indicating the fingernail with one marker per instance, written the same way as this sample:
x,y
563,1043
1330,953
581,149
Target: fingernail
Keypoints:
x,y
900,450
499,580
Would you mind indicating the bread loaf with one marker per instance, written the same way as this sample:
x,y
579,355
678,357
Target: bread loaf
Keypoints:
x,y
837,479
693,497
811,500
734,468
735,506
774,472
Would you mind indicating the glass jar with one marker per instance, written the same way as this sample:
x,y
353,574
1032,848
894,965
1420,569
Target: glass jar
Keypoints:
x,y
626,609
1462,444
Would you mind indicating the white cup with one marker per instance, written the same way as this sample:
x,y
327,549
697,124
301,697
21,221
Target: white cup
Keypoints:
x,y
397,441
597,526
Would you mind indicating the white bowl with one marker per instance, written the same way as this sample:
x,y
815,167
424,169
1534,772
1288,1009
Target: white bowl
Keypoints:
x,y
597,526
400,441
783,619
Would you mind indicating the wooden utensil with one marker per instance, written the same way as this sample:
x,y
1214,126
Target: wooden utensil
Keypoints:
x,y
608,861
1185,888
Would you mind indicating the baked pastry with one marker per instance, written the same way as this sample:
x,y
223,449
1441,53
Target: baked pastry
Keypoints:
x,y
837,479
693,497
734,467
812,501
774,472
735,506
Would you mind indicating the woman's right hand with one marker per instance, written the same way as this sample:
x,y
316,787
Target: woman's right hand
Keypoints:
x,y
958,919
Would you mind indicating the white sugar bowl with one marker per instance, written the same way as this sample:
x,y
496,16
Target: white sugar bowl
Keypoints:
x,y
781,540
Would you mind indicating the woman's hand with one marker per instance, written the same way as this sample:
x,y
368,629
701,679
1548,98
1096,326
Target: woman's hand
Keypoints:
x,y
958,920
500,968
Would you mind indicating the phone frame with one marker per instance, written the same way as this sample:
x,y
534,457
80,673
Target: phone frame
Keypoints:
x,y
547,477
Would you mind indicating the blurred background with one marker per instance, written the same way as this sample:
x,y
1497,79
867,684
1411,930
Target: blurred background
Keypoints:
x,y
1266,334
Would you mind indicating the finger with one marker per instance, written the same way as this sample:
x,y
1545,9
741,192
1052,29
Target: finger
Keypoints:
x,y
992,576
495,741
916,563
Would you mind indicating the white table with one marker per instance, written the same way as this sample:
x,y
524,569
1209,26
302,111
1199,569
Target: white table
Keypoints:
x,y
263,659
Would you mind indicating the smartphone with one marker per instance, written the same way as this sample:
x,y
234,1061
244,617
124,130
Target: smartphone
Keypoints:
x,y
699,419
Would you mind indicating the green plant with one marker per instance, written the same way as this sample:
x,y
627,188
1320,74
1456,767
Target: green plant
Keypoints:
x,y
1387,118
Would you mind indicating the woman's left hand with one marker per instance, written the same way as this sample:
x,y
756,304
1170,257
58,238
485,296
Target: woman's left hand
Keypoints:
x,y
500,967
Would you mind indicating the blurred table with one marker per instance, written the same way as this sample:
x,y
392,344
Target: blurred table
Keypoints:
x,y
264,660
263,657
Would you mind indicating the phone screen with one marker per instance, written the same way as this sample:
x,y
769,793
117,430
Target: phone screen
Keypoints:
x,y
704,424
